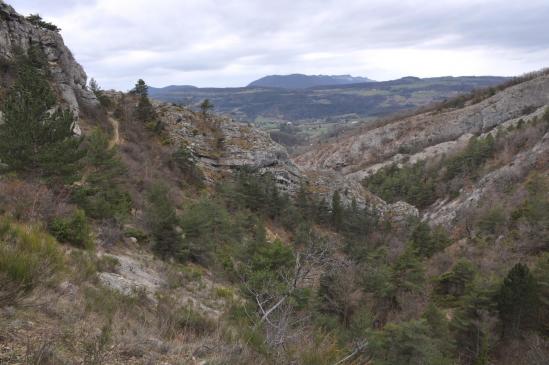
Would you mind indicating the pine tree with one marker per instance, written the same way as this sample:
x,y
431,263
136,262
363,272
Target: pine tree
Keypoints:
x,y
141,89
162,220
205,107
102,195
518,301
337,211
145,112
542,277
35,137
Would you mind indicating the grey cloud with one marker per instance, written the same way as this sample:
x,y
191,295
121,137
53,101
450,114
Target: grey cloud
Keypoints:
x,y
231,42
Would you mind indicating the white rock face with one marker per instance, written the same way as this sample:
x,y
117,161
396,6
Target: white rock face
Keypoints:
x,y
516,170
360,151
132,276
232,146
68,76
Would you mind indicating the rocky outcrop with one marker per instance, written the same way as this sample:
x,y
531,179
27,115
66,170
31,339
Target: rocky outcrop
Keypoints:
x,y
438,151
222,145
536,158
68,76
359,151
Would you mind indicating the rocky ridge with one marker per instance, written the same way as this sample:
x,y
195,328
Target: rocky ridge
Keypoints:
x,y
434,135
359,151
222,146
69,78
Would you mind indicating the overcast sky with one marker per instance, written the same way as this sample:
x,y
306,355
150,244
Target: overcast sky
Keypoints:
x,y
233,42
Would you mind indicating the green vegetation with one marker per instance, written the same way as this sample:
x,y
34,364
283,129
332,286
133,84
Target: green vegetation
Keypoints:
x,y
308,280
452,285
518,301
74,230
205,107
206,227
408,343
101,194
426,241
162,222
467,163
186,161
421,185
33,138
29,257
37,20
406,183
104,100
144,112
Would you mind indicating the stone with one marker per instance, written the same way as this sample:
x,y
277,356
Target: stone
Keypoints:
x,y
68,76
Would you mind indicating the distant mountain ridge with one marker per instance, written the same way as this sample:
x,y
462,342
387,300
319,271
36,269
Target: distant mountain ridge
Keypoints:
x,y
301,81
358,100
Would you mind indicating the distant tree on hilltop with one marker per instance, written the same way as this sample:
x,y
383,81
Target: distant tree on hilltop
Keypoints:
x,y
144,111
205,107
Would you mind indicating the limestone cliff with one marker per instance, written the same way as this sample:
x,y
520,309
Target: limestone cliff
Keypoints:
x,y
69,78
360,150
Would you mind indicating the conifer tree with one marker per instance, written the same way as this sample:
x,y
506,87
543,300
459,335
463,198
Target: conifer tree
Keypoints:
x,y
205,107
162,220
102,194
337,211
36,137
144,111
518,301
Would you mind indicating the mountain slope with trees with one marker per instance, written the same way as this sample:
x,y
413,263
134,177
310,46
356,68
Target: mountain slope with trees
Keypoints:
x,y
142,232
321,109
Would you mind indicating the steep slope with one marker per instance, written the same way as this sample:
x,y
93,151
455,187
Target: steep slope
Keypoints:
x,y
69,78
173,239
359,150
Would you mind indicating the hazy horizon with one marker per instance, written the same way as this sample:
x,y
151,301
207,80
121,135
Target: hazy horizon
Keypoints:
x,y
207,44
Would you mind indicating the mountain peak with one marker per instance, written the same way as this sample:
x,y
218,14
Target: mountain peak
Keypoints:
x,y
301,81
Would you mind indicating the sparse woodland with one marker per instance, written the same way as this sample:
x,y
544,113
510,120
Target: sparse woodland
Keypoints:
x,y
117,247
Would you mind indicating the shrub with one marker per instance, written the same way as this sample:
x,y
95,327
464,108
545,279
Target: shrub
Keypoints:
x,y
411,184
407,343
37,20
186,162
192,321
74,230
426,241
107,263
28,257
492,221
107,301
206,226
468,161
102,194
224,293
162,221
453,284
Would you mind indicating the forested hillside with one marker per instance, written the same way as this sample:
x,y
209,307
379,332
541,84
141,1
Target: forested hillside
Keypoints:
x,y
139,232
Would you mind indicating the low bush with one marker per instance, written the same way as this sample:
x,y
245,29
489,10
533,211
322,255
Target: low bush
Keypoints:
x,y
28,257
192,321
74,230
37,20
